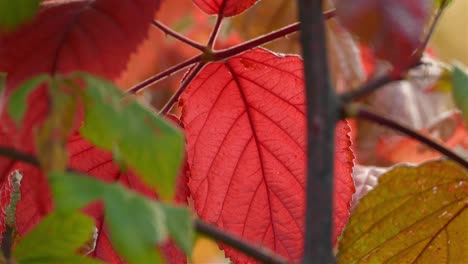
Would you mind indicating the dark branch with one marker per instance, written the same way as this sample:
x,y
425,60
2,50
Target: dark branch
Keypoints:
x,y
361,112
262,254
19,156
321,120
369,87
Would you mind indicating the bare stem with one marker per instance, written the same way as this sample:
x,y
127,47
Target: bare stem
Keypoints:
x,y
183,86
272,36
369,87
20,156
361,112
178,36
322,116
262,254
217,26
432,28
377,83
162,75
222,54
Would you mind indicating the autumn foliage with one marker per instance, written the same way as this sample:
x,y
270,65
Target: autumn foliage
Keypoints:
x,y
77,151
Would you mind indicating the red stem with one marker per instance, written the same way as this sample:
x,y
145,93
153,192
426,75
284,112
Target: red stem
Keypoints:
x,y
168,72
222,54
181,89
178,36
215,31
226,53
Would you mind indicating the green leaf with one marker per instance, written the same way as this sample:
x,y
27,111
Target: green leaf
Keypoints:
x,y
18,100
460,89
13,13
442,3
73,191
414,215
56,239
136,223
149,144
180,227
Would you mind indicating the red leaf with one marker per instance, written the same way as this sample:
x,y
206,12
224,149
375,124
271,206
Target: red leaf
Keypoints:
x,y
245,126
88,159
394,28
95,36
231,7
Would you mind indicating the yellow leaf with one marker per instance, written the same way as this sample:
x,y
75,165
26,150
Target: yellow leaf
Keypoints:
x,y
415,215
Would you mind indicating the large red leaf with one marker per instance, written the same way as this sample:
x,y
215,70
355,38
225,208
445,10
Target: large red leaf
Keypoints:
x,y
226,8
245,126
97,36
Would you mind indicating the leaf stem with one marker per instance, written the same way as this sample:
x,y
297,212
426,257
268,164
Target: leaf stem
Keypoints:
x,y
178,36
377,83
262,254
183,86
432,27
361,112
168,72
272,36
321,121
217,26
370,86
222,54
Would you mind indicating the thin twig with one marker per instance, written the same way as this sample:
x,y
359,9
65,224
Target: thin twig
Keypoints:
x,y
20,156
168,72
262,254
432,28
178,36
217,26
183,86
369,87
222,54
361,112
322,116
272,36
